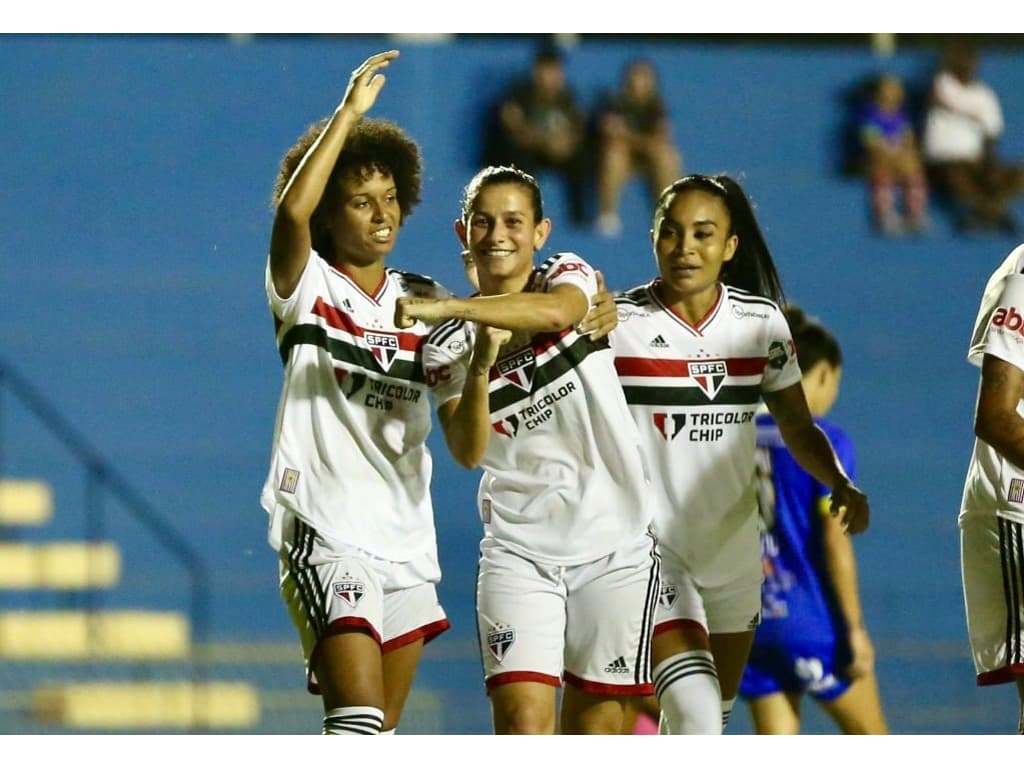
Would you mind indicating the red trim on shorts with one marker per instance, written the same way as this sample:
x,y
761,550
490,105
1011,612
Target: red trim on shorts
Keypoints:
x,y
522,677
665,626
427,632
1005,674
336,627
609,689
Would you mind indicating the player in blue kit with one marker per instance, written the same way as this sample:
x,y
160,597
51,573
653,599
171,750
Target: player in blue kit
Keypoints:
x,y
811,640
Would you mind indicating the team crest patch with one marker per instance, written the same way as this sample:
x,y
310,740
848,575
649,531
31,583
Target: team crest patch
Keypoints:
x,y
709,376
669,595
384,347
499,641
517,369
777,356
1016,494
289,480
349,590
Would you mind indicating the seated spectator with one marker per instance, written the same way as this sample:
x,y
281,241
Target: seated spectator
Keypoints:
x,y
892,161
635,138
541,127
962,127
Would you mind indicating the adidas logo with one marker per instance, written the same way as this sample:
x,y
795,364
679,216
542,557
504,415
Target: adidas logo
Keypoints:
x,y
658,342
618,667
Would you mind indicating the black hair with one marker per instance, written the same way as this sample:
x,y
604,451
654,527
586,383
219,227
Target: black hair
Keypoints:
x,y
502,174
814,342
373,144
751,267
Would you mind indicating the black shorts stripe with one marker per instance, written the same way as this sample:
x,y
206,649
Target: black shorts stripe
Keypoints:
x,y
1011,548
306,578
642,665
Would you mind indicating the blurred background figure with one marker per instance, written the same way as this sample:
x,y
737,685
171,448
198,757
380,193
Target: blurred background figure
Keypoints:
x,y
892,161
963,124
812,640
542,127
634,137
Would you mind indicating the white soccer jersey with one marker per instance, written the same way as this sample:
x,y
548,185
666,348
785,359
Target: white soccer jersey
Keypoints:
x,y
564,481
349,454
995,485
694,391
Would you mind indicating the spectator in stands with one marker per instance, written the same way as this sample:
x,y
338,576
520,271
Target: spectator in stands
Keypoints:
x,y
634,138
542,127
892,161
962,127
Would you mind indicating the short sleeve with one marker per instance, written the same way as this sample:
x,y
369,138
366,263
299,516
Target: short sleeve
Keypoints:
x,y
1006,328
781,369
446,355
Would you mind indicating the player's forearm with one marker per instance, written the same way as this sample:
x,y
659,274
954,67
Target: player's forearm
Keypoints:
x,y
529,312
841,564
467,429
306,186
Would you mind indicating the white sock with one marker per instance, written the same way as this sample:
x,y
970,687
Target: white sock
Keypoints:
x,y
389,732
358,721
687,688
727,705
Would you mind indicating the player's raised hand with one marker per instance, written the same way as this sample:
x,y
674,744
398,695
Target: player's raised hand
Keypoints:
x,y
366,82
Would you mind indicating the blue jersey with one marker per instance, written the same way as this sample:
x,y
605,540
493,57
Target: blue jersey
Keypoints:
x,y
801,644
797,598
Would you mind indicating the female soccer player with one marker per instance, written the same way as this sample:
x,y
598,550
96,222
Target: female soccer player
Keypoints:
x,y
696,350
812,639
568,571
348,487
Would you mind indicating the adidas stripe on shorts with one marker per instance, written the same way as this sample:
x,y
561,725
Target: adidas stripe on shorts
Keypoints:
x,y
992,564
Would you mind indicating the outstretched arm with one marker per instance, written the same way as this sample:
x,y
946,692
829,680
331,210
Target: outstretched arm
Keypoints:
x,y
561,307
812,449
290,239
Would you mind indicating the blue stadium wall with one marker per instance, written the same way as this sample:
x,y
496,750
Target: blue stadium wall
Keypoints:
x,y
134,198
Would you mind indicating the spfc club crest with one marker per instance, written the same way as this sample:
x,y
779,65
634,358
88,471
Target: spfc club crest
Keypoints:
x,y
668,596
499,641
384,347
517,368
709,375
349,590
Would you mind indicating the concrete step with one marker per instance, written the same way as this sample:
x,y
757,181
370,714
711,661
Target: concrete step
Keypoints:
x,y
60,565
59,634
25,502
117,705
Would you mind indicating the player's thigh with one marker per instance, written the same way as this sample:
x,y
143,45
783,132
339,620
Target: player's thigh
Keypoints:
x,y
594,714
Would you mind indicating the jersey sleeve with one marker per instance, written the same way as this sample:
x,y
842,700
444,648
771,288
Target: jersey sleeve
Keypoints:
x,y
1006,327
782,369
569,269
310,283
446,355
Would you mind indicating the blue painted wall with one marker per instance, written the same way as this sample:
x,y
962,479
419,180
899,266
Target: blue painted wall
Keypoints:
x,y
135,177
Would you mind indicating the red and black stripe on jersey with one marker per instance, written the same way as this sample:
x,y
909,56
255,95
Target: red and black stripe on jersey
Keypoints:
x,y
665,387
347,352
565,359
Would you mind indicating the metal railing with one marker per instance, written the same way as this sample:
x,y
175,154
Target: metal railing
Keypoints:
x,y
102,476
